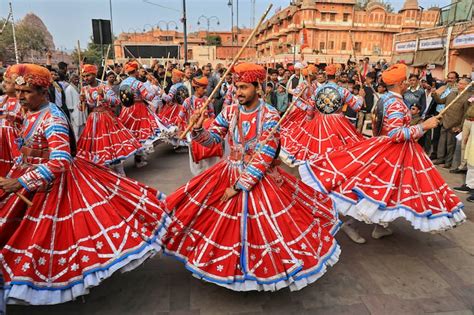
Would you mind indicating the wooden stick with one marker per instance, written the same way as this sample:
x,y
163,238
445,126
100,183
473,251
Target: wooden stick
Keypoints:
x,y
81,82
28,202
441,113
234,61
105,64
22,197
166,71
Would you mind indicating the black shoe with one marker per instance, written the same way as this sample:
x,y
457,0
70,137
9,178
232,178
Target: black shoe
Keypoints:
x,y
470,198
462,189
458,171
433,157
438,162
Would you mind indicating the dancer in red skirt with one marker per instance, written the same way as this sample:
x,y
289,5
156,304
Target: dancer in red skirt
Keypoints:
x,y
105,140
178,92
200,157
245,224
136,115
388,176
10,123
85,222
325,126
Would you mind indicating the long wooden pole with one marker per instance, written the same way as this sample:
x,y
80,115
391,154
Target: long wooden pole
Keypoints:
x,y
83,106
105,64
236,58
166,71
441,113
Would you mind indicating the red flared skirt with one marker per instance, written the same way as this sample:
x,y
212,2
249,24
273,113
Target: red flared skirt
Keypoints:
x,y
280,234
378,181
8,149
317,136
141,121
88,224
169,114
105,140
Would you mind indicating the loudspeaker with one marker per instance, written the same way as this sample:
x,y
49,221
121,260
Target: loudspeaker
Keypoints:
x,y
101,32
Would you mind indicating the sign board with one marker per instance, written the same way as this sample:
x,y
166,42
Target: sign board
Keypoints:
x,y
432,43
466,40
405,46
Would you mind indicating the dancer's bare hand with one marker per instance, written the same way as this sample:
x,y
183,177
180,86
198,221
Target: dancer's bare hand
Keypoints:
x,y
229,193
430,123
9,184
198,119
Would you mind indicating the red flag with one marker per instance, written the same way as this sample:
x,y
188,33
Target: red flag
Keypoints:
x,y
304,38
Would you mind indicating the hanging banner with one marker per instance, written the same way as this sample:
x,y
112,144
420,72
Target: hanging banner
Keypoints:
x,y
432,43
405,46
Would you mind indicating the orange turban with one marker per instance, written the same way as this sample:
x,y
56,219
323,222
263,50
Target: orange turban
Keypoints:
x,y
395,74
10,70
201,81
249,72
305,72
331,69
87,68
131,66
312,69
177,73
30,74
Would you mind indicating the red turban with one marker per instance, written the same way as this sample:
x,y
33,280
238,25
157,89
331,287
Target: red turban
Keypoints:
x,y
331,69
249,73
201,81
30,74
10,70
395,74
87,68
131,66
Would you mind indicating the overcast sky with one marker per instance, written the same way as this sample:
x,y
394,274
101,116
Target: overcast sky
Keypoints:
x,y
70,20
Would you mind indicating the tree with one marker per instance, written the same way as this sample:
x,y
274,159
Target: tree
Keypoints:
x,y
29,40
362,5
92,54
213,40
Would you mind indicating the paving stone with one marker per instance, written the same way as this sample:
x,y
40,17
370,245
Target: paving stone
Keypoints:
x,y
458,261
403,276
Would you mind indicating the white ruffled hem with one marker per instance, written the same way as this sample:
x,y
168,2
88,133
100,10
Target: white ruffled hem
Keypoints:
x,y
26,294
370,212
289,159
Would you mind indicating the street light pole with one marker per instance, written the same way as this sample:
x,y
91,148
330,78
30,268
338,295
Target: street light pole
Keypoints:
x,y
185,33
208,21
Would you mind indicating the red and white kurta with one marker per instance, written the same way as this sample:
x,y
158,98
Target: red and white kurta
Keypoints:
x,y
275,233
387,177
10,123
85,222
105,140
200,157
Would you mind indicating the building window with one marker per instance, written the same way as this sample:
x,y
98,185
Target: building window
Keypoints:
x,y
345,17
322,45
323,16
331,45
357,46
332,17
343,46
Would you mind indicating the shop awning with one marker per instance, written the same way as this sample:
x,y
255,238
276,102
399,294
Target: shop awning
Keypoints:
x,y
429,57
406,58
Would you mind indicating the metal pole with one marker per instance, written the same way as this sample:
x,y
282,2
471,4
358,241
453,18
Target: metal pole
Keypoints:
x,y
17,59
185,33
232,23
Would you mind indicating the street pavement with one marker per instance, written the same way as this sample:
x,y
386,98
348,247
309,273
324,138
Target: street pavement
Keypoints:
x,y
409,272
